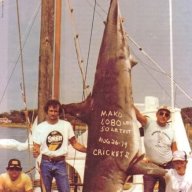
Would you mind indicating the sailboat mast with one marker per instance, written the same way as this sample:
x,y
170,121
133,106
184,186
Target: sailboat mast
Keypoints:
x,y
171,53
45,56
56,91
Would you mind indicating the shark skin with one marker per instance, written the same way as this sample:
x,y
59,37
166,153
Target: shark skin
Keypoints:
x,y
113,135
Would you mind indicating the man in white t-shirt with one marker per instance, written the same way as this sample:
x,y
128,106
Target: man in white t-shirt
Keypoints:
x,y
159,142
51,138
179,179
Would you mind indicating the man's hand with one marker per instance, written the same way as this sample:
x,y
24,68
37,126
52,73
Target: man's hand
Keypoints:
x,y
36,150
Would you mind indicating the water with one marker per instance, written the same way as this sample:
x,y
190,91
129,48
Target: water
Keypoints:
x,y
26,158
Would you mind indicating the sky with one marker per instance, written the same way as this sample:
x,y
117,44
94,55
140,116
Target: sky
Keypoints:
x,y
147,25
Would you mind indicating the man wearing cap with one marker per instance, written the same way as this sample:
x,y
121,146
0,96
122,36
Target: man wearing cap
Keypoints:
x,y
14,179
179,179
159,142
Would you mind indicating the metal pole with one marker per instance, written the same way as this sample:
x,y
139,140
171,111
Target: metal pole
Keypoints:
x,y
171,54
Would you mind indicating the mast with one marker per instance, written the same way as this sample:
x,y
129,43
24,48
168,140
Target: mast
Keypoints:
x,y
45,56
171,53
56,91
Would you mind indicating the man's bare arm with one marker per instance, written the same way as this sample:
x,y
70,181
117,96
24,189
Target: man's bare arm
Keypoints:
x,y
140,117
76,145
174,146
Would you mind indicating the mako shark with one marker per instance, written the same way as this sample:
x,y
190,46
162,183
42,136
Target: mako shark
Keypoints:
x,y
113,135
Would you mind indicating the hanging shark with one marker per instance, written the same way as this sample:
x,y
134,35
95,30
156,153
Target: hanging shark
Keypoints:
x,y
113,147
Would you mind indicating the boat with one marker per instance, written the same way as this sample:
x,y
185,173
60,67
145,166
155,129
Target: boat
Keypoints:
x,y
83,157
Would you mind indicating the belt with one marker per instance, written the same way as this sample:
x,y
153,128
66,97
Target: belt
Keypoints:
x,y
53,159
165,165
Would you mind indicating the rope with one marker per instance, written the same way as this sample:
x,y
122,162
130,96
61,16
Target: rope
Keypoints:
x,y
90,39
160,68
27,33
153,76
22,86
101,8
78,50
145,54
21,53
30,170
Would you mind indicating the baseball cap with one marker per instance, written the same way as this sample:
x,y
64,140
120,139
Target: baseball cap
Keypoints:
x,y
179,156
14,163
164,107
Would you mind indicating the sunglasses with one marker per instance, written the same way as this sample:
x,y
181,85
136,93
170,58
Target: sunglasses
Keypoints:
x,y
161,113
14,169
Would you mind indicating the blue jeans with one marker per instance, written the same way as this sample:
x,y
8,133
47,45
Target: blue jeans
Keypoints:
x,y
57,170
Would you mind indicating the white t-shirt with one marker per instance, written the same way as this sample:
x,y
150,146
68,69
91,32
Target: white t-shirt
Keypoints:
x,y
158,141
53,138
178,183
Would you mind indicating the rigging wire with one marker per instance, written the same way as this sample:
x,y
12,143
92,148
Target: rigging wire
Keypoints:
x,y
21,56
185,115
144,64
78,50
101,8
90,39
23,90
160,68
27,33
151,74
152,60
97,13
77,46
80,62
163,72
23,81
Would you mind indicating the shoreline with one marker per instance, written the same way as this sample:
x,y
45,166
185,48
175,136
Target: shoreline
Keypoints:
x,y
14,125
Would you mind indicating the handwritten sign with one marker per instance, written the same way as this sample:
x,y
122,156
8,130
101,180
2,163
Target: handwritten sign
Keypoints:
x,y
112,136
